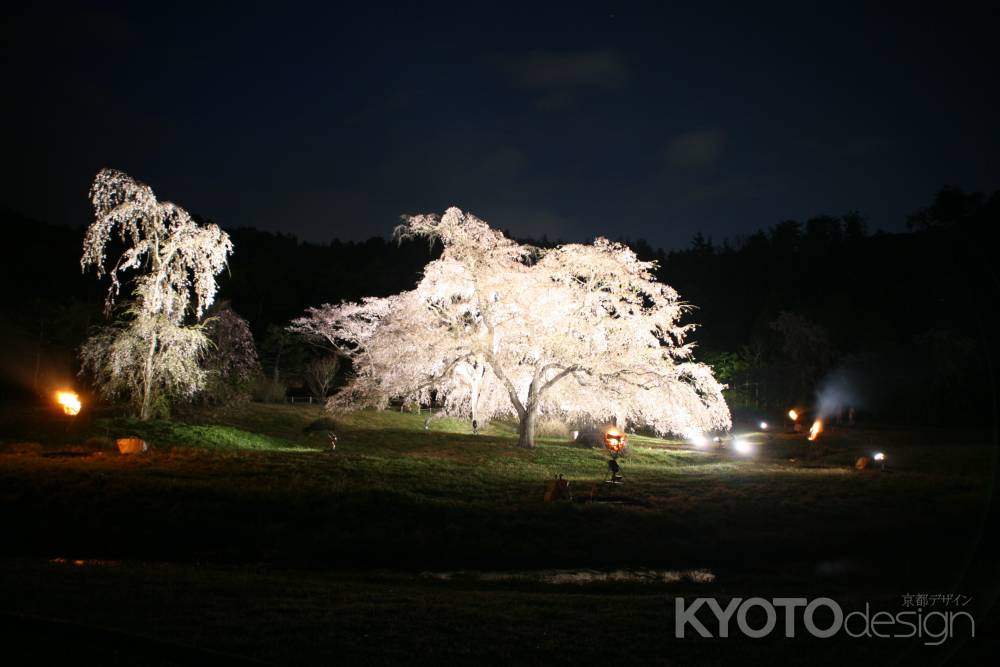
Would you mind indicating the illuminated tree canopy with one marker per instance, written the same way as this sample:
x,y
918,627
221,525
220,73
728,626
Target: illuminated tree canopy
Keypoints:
x,y
496,328
151,353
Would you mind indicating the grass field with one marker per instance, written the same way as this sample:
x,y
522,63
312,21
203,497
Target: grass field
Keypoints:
x,y
240,532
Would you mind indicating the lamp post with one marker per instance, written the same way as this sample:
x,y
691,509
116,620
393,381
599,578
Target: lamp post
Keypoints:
x,y
614,442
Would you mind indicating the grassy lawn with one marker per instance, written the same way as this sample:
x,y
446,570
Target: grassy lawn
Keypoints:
x,y
240,532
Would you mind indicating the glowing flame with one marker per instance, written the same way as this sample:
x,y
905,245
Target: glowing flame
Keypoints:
x,y
614,440
816,429
793,415
69,401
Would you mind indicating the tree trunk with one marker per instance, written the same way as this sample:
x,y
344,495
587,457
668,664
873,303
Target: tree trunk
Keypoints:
x,y
146,410
475,403
526,428
277,362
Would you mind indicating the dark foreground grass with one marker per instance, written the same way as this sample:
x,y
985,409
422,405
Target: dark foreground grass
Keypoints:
x,y
147,613
265,543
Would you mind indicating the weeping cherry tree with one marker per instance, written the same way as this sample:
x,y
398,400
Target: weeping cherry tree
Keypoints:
x,y
153,350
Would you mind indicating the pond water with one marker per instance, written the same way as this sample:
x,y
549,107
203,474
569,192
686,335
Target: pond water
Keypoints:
x,y
578,576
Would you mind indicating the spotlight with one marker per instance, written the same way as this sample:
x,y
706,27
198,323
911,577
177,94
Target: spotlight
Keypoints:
x,y
741,446
879,456
698,440
763,426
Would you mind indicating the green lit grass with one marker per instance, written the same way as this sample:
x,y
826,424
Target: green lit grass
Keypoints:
x,y
166,434
253,483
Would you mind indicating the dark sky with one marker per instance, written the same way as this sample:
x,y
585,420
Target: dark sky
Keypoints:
x,y
572,119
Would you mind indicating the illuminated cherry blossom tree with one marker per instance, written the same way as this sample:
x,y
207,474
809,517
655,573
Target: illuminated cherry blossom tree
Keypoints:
x,y
153,351
495,327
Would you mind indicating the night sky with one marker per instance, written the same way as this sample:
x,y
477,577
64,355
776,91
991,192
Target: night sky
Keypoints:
x,y
569,120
